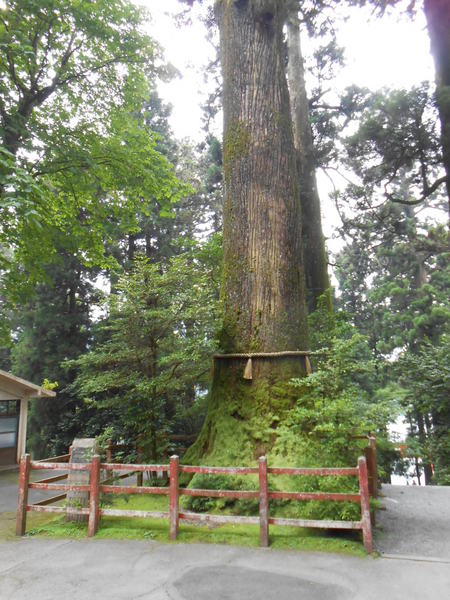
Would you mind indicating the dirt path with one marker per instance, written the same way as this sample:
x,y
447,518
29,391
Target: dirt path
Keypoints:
x,y
415,520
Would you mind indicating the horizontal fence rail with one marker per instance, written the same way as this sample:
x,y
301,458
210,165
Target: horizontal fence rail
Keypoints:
x,y
96,487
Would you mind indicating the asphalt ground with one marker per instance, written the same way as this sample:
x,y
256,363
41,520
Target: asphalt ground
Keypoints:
x,y
9,488
43,569
415,521
413,530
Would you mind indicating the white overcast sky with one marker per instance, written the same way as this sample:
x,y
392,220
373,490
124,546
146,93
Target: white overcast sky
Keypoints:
x,y
379,52
389,52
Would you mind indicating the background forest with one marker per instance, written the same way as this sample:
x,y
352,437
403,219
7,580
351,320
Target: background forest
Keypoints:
x,y
111,237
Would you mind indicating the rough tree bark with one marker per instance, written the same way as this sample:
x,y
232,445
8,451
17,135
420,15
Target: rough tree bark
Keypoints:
x,y
263,281
437,13
315,258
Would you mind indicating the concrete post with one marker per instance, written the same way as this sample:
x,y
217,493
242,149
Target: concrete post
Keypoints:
x,y
82,452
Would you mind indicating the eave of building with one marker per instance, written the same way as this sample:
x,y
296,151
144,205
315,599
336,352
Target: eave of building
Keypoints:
x,y
15,388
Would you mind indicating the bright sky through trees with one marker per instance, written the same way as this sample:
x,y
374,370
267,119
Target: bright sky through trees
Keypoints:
x,y
379,52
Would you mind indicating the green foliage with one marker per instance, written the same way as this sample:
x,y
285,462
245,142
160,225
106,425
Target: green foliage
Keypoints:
x,y
425,378
221,482
394,275
77,154
397,133
51,327
152,368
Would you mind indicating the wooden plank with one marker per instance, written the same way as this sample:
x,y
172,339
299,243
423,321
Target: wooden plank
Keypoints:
x,y
263,504
113,477
94,496
238,494
63,487
365,506
207,518
219,470
130,467
139,474
57,509
370,453
51,500
321,472
323,524
122,489
54,459
174,497
52,479
22,500
59,466
315,496
144,514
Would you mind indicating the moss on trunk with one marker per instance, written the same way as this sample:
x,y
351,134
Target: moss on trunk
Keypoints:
x,y
263,288
243,416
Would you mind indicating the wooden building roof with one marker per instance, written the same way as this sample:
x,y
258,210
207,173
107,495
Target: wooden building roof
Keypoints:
x,y
15,388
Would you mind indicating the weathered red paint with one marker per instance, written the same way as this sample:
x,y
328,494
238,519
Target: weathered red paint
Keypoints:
x,y
142,514
140,474
206,518
322,524
365,506
129,467
122,489
52,479
57,509
47,466
174,497
370,453
323,472
94,496
174,492
263,504
22,500
314,496
238,494
63,487
51,500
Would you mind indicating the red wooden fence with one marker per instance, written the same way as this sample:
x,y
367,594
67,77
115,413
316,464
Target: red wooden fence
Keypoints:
x,y
263,494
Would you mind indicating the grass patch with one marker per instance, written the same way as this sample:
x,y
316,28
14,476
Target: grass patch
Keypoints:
x,y
286,538
35,521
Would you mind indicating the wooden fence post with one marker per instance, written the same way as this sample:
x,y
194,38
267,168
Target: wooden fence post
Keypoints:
x,y
174,503
140,474
365,505
22,500
108,452
374,466
263,503
94,496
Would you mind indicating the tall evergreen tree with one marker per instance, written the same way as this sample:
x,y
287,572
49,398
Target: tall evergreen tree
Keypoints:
x,y
262,290
51,328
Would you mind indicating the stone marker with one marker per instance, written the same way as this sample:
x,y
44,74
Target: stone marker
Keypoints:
x,y
82,451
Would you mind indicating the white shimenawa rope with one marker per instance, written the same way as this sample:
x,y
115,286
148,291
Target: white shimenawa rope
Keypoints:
x,y
248,374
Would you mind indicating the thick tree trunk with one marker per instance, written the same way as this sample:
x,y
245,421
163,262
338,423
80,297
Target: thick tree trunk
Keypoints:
x,y
315,258
437,13
263,280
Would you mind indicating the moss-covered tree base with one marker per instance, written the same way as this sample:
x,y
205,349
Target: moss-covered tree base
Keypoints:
x,y
248,419
244,416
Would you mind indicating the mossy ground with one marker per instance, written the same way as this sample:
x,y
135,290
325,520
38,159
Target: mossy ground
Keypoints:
x,y
287,538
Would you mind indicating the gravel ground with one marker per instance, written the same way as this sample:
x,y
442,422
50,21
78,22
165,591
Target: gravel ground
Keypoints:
x,y
415,521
